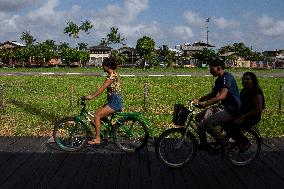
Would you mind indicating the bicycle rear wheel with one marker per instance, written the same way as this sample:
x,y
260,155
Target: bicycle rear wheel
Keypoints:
x,y
70,134
175,149
130,134
246,157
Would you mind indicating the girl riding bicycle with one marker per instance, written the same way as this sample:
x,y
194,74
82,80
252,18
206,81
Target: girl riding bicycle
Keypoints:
x,y
114,97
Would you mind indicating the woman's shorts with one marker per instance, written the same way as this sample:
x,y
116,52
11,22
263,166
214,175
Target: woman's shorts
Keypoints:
x,y
115,102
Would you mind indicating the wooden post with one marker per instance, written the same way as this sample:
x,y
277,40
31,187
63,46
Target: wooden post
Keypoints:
x,y
280,98
1,96
145,97
71,98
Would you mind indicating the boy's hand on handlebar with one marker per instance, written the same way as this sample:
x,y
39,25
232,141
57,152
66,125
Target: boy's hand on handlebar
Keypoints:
x,y
201,105
195,101
85,98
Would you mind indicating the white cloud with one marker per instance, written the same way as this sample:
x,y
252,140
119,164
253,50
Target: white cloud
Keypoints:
x,y
122,15
183,32
137,31
271,28
14,5
225,24
9,22
46,13
125,18
193,18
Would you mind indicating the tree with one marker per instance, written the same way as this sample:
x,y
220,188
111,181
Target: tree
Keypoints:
x,y
256,56
86,26
146,49
242,50
63,45
112,38
27,38
238,48
205,55
73,29
120,58
145,45
166,55
83,46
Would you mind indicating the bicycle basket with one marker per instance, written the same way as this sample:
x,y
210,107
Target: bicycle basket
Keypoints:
x,y
180,115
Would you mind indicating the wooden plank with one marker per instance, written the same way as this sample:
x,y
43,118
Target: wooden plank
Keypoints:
x,y
274,160
144,165
9,146
278,143
52,167
28,163
94,169
268,176
154,168
45,163
82,171
201,172
225,177
68,170
108,174
124,171
18,168
134,171
248,177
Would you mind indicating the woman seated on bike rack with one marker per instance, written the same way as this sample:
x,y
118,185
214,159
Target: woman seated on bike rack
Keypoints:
x,y
252,104
114,97
224,91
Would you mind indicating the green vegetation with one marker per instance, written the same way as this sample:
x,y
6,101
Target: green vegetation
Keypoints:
x,y
139,70
33,103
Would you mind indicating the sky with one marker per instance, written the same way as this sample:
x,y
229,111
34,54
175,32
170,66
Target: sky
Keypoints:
x,y
259,24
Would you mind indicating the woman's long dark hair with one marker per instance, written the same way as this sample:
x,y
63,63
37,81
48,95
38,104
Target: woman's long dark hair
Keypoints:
x,y
256,87
110,62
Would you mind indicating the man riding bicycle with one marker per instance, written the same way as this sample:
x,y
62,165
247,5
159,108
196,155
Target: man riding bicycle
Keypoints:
x,y
226,100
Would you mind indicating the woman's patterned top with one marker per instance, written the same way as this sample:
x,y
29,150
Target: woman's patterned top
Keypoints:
x,y
114,87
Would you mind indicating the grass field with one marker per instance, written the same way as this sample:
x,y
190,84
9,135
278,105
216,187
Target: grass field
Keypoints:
x,y
33,103
138,70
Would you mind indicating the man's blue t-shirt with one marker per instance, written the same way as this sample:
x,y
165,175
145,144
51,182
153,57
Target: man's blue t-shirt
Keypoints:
x,y
232,101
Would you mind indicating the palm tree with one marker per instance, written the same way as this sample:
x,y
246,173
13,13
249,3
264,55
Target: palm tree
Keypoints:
x,y
113,38
27,38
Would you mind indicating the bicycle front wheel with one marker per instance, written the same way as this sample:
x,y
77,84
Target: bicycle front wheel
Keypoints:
x,y
175,148
70,134
130,134
246,157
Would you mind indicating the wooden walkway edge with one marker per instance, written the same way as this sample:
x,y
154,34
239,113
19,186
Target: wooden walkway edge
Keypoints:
x,y
32,162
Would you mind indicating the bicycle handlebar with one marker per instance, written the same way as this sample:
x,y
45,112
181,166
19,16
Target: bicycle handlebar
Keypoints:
x,y
82,101
191,106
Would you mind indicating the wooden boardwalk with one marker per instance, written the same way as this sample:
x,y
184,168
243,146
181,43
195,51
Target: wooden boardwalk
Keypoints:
x,y
30,162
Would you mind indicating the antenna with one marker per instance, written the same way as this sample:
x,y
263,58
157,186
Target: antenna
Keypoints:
x,y
207,31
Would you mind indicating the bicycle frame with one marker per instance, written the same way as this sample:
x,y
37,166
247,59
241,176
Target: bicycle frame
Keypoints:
x,y
85,118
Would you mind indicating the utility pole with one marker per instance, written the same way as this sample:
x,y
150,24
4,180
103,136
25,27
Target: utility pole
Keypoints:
x,y
207,31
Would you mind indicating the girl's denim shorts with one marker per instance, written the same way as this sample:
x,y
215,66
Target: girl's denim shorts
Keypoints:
x,y
115,102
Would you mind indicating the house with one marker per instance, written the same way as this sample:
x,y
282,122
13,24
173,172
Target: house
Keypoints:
x,y
188,50
279,61
131,54
11,45
98,54
234,59
276,58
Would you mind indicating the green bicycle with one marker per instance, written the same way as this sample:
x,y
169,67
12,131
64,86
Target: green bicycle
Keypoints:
x,y
128,130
